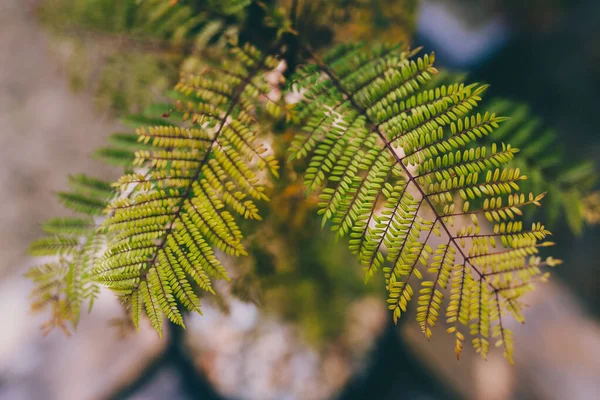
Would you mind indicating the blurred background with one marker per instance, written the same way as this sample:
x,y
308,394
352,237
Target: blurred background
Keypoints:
x,y
297,321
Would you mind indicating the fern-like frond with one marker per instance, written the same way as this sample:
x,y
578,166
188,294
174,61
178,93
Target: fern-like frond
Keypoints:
x,y
71,248
193,173
404,174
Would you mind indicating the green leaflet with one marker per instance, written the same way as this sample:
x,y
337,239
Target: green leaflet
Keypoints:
x,y
402,170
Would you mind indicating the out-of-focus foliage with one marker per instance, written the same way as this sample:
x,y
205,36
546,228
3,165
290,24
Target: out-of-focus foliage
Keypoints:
x,y
128,52
322,22
591,208
375,20
568,182
307,279
71,246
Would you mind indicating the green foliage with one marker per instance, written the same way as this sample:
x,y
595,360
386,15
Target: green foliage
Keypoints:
x,y
591,208
349,20
72,244
198,171
374,19
124,50
229,7
567,182
191,172
402,176
427,187
122,145
176,23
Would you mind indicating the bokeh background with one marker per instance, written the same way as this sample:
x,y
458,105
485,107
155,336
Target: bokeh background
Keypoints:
x,y
308,328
